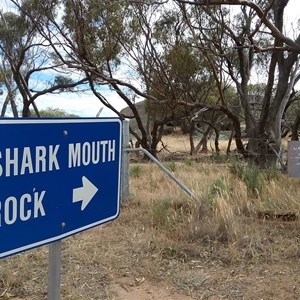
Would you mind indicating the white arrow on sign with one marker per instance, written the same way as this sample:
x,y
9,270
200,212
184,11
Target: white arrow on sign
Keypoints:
x,y
84,193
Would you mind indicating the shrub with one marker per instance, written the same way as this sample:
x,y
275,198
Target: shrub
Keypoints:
x,y
170,211
236,167
253,178
271,173
188,162
251,175
218,188
162,216
136,171
218,158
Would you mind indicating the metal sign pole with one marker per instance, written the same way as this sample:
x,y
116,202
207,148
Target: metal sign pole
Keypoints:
x,y
125,163
54,268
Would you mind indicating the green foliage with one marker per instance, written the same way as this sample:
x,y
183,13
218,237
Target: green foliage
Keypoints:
x,y
54,113
272,173
12,29
182,62
218,188
97,27
135,171
182,74
253,179
162,214
218,158
253,176
169,212
188,162
270,205
236,167
63,81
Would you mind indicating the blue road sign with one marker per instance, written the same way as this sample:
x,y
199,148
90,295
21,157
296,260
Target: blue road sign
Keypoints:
x,y
57,177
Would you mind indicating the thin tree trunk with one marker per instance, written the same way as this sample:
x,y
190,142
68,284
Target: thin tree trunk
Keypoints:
x,y
229,142
203,141
295,128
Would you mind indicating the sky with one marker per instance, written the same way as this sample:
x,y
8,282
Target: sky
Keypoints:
x,y
82,104
87,105
292,15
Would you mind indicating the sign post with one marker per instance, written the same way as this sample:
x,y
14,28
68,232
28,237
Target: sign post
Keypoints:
x,y
57,177
54,268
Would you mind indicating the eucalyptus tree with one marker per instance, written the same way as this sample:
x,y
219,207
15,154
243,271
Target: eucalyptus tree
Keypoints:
x,y
255,39
208,42
183,74
86,36
12,29
8,91
29,67
175,74
107,41
132,49
118,44
151,50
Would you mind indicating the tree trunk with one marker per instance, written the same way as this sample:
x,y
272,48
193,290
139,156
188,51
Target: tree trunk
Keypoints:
x,y
229,142
203,141
191,138
295,128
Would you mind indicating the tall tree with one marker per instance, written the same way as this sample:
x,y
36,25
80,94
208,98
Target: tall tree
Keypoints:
x,y
137,52
28,58
9,90
100,38
246,44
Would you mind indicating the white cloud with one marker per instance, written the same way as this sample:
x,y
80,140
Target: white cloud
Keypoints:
x,y
292,17
83,104
7,6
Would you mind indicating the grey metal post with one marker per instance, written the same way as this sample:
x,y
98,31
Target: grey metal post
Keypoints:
x,y
125,163
54,269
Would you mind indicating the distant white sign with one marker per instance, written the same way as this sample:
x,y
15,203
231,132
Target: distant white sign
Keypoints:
x,y
294,159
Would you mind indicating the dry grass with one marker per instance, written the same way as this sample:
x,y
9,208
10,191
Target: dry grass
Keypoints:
x,y
162,238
